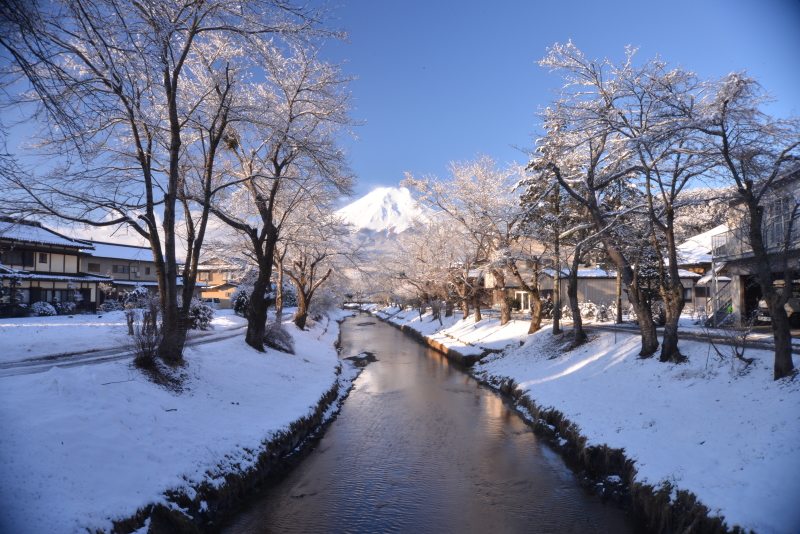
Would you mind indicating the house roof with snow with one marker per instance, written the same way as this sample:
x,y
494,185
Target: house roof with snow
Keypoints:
x,y
697,249
8,272
600,273
28,232
121,252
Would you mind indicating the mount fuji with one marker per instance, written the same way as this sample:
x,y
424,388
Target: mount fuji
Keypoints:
x,y
380,216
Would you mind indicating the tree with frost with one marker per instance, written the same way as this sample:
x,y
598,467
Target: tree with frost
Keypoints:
x,y
314,253
701,209
425,259
649,110
592,162
286,152
760,156
554,219
134,101
480,197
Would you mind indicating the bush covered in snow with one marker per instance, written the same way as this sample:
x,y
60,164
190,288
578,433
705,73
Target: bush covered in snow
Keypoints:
x,y
278,338
240,301
65,308
111,305
41,308
547,308
200,315
137,297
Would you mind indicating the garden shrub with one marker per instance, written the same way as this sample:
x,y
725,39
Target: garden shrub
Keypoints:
x,y
137,297
41,308
65,308
111,305
240,301
200,315
278,338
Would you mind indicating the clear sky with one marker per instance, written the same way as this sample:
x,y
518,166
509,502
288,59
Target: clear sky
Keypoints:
x,y
442,80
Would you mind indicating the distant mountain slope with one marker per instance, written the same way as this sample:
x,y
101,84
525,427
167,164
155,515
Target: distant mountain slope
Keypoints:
x,y
385,210
379,218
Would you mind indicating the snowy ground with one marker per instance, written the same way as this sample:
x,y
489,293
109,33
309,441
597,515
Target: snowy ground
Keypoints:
x,y
732,439
84,445
38,337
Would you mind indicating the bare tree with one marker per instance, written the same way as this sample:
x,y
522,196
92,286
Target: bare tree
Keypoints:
x,y
480,197
286,152
760,156
590,159
314,253
134,99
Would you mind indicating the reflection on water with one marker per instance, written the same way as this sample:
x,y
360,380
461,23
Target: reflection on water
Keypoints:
x,y
421,447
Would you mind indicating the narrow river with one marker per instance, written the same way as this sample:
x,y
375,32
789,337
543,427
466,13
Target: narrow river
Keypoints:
x,y
421,447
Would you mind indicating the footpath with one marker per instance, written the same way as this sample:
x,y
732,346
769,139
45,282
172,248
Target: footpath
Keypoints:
x,y
709,445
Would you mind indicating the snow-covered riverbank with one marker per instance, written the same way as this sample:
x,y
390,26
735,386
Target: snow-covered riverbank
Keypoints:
x,y
729,436
84,446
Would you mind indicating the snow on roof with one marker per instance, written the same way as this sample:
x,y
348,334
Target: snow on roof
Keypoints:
x,y
121,252
36,234
697,249
583,273
600,273
74,277
390,209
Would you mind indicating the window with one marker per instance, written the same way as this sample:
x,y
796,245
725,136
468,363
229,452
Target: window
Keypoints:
x,y
134,268
119,269
93,267
204,276
42,257
147,270
700,291
17,257
776,221
687,294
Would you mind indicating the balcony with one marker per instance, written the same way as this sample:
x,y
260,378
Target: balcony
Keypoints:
x,y
735,244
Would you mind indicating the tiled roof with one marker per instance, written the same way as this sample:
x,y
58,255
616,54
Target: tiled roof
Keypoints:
x,y
121,252
7,272
29,233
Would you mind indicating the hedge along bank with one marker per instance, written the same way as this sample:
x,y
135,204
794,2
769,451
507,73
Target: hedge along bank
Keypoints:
x,y
83,448
705,445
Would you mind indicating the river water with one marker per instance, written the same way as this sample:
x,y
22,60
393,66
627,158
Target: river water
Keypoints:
x,y
419,446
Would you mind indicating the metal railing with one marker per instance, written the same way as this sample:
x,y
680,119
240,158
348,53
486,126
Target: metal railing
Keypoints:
x,y
735,244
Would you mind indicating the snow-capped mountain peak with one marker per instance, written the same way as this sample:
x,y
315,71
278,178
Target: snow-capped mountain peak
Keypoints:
x,y
386,209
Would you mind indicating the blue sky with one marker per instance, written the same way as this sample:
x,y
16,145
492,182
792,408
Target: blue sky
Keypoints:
x,y
444,80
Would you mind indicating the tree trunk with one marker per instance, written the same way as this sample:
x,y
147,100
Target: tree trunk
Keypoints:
x,y
279,293
465,308
448,308
672,294
774,297
644,314
783,341
557,287
257,314
477,305
618,318
500,294
536,315
533,291
301,316
572,295
641,306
